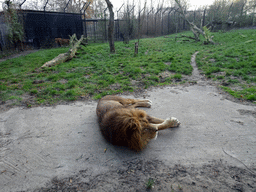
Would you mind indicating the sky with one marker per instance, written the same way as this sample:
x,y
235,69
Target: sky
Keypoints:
x,y
192,3
118,3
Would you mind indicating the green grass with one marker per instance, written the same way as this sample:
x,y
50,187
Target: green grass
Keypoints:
x,y
233,61
95,72
150,183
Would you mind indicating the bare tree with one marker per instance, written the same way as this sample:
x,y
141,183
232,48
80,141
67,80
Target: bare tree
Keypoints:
x,y
111,27
253,10
196,31
98,8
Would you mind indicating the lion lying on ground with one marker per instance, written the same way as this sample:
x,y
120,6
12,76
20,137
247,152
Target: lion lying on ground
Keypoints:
x,y
122,124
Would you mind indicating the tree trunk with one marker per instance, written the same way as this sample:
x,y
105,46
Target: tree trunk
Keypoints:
x,y
111,27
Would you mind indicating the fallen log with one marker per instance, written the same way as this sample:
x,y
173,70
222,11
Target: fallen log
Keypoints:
x,y
61,58
189,37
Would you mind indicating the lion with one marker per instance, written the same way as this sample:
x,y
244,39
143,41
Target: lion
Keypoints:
x,y
61,42
121,123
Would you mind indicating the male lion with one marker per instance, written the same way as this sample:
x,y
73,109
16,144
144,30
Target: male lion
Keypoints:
x,y
122,124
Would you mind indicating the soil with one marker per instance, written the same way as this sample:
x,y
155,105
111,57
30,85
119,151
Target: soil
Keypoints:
x,y
135,175
154,175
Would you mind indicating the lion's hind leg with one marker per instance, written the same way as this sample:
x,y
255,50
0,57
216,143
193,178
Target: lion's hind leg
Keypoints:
x,y
141,103
129,102
132,102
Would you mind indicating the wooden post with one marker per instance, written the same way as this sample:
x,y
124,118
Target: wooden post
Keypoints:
x,y
136,51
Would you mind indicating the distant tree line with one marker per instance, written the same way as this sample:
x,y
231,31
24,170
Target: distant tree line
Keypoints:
x,y
142,19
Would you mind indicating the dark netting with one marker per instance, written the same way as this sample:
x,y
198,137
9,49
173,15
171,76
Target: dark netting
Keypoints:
x,y
41,28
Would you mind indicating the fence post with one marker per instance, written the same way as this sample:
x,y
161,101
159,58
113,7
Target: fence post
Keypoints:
x,y
105,19
118,26
156,18
85,27
81,15
23,3
169,20
139,23
45,5
66,6
131,26
253,17
147,19
163,20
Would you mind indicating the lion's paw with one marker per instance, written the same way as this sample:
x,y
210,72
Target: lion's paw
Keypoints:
x,y
149,102
173,122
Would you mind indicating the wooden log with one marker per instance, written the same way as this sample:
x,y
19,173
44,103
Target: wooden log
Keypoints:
x,y
61,58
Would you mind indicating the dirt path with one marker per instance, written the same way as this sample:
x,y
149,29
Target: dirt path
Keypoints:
x,y
61,149
18,55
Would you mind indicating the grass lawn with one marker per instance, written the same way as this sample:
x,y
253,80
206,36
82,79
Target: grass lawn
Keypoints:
x,y
233,62
95,72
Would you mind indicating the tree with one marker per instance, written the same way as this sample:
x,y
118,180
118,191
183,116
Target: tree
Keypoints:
x,y
111,27
70,6
98,8
196,31
15,27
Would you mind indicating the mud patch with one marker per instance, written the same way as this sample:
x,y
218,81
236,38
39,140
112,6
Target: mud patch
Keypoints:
x,y
134,175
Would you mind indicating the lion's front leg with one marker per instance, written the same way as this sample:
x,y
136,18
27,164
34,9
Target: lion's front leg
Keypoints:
x,y
169,123
154,120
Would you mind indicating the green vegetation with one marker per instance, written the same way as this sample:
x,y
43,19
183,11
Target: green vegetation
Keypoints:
x,y
232,62
15,27
95,72
150,183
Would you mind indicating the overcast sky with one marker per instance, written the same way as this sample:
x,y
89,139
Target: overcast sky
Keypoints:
x,y
192,3
118,3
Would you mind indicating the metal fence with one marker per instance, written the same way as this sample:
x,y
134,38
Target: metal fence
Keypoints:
x,y
41,27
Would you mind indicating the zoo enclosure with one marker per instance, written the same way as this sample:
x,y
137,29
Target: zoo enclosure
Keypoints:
x,y
41,27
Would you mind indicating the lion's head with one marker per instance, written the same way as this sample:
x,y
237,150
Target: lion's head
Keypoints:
x,y
137,129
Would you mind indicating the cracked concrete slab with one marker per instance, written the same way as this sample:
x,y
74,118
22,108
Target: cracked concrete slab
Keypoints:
x,y
41,143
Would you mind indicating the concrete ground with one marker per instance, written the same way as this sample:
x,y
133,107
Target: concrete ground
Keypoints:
x,y
41,143
61,148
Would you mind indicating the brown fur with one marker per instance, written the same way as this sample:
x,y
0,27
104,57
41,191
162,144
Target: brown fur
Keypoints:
x,y
122,124
61,42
